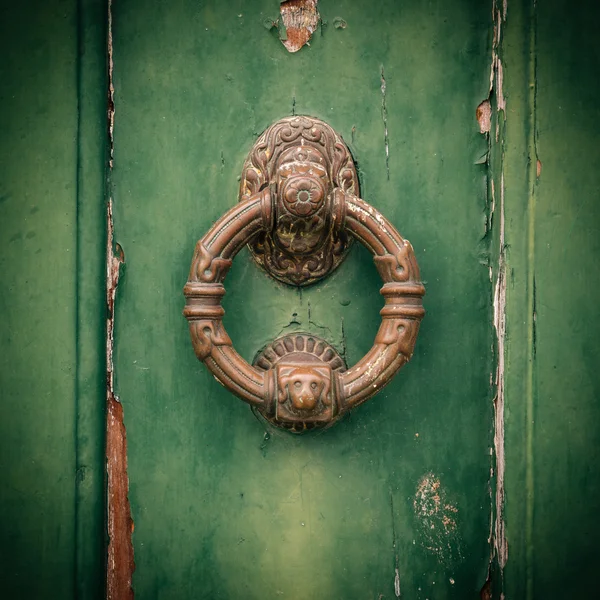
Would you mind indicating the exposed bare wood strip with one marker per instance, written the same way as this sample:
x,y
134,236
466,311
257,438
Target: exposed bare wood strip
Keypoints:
x,y
120,524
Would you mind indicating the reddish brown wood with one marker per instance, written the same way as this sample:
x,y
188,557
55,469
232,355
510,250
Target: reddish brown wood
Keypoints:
x,y
120,563
292,385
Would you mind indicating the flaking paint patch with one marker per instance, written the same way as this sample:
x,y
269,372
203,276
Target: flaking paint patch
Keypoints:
x,y
497,535
300,19
501,103
500,542
111,88
496,71
483,115
437,520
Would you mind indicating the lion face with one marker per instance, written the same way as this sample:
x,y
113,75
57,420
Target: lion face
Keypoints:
x,y
304,387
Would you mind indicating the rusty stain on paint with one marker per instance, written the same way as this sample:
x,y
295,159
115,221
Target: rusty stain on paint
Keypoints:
x,y
300,20
437,519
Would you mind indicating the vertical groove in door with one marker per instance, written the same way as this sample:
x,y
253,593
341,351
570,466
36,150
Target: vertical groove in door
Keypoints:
x,y
531,393
89,308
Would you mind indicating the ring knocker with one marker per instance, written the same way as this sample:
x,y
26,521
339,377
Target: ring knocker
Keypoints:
x,y
298,211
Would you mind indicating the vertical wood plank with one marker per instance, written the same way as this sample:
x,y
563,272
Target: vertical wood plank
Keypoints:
x,y
552,186
51,192
224,507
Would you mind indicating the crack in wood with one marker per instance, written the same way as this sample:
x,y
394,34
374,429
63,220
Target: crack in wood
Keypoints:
x,y
386,138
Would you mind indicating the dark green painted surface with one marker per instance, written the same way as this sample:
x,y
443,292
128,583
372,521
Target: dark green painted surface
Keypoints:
x,y
552,57
51,301
221,508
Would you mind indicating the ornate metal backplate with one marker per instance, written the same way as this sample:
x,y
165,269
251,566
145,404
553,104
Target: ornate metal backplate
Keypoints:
x,y
305,397
303,161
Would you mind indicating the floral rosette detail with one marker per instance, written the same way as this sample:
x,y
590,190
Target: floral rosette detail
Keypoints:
x,y
303,196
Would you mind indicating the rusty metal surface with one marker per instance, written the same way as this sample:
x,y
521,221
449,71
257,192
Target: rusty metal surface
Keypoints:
x,y
261,211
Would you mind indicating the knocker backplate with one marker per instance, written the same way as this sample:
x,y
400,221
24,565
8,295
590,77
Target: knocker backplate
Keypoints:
x,y
302,160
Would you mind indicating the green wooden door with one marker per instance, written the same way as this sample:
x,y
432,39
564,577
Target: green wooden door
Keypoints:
x,y
396,498
401,497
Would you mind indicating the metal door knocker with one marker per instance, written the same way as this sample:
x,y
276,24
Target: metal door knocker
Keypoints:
x,y
298,211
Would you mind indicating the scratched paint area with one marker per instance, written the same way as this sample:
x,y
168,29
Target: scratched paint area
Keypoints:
x,y
438,520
